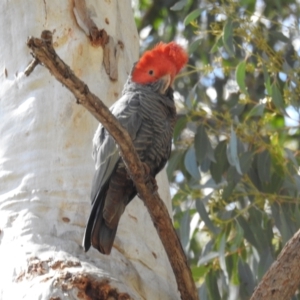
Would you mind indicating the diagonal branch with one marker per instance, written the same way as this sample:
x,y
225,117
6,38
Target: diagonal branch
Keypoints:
x,y
44,53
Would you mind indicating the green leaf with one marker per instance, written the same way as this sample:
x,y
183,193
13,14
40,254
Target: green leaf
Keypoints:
x,y
192,16
265,261
228,190
233,177
203,293
173,163
207,258
267,80
205,217
285,226
217,45
277,97
277,35
228,37
240,74
238,239
198,272
203,146
178,5
276,183
191,97
179,126
257,110
246,159
237,109
234,277
246,279
202,143
259,225
291,156
222,256
190,163
194,45
232,152
248,234
212,285
185,230
264,166
221,165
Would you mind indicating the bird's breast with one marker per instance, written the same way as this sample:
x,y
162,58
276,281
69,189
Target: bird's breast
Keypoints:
x,y
153,140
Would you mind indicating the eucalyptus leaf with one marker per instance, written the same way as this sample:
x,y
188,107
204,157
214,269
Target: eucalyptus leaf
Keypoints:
x,y
178,5
173,163
185,230
285,227
240,75
205,217
192,16
201,143
221,164
267,80
217,45
277,97
265,261
228,37
190,163
232,152
194,45
246,278
277,35
211,281
257,110
207,258
228,190
179,126
189,100
264,166
291,155
246,159
248,234
202,292
222,257
257,222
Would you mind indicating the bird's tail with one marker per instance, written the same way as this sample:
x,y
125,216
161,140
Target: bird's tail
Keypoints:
x,y
97,233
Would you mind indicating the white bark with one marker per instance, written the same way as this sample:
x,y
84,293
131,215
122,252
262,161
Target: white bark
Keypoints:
x,y
46,167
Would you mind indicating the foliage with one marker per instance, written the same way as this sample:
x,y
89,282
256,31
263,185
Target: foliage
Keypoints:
x,y
234,169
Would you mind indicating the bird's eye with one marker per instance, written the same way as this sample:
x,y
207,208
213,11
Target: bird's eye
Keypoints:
x,y
150,72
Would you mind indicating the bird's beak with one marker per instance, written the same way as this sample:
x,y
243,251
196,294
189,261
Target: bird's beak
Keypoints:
x,y
166,81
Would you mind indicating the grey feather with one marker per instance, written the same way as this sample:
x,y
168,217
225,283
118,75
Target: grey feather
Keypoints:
x,y
149,117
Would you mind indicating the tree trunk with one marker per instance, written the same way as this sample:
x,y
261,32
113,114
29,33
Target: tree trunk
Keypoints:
x,y
46,167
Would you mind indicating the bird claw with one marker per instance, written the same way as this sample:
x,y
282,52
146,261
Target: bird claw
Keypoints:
x,y
154,185
146,169
149,179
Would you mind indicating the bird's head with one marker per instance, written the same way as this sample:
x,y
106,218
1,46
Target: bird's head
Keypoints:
x,y
163,63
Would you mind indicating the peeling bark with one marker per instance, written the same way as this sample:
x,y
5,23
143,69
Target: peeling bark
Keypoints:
x,y
99,37
87,287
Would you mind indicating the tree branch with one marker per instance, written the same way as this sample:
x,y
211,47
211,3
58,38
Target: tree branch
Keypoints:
x,y
44,53
282,279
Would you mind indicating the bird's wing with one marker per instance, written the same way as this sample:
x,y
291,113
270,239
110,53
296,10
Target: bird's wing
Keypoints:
x,y
105,151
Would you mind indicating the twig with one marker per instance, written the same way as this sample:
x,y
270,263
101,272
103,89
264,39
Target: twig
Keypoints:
x,y
46,36
45,53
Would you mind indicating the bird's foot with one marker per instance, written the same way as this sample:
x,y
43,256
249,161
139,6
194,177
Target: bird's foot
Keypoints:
x,y
149,179
146,172
154,185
